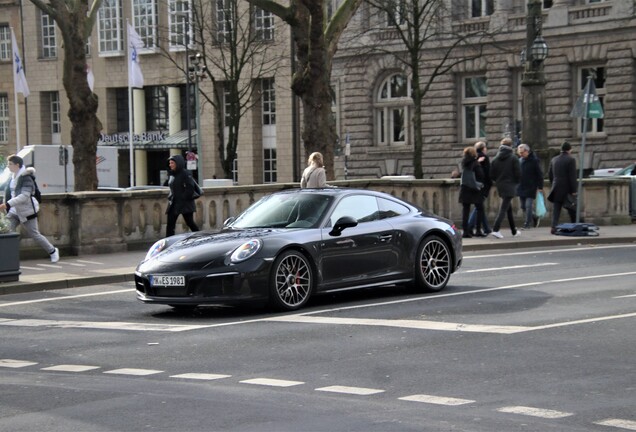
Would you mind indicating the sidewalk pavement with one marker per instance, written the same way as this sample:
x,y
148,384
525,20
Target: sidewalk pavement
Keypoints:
x,y
86,270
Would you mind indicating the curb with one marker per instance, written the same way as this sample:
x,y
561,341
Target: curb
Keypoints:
x,y
76,282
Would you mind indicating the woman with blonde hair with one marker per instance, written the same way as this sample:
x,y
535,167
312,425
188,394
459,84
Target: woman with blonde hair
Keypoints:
x,y
314,175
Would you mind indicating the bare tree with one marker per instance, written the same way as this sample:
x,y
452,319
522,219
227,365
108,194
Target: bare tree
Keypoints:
x,y
424,26
75,21
315,37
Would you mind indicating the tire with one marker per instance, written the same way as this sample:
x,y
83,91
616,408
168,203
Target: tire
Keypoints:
x,y
291,281
432,264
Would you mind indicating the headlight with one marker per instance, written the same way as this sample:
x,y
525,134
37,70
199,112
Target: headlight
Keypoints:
x,y
246,250
155,249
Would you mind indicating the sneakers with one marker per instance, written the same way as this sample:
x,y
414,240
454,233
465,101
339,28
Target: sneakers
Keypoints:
x,y
497,234
55,255
517,234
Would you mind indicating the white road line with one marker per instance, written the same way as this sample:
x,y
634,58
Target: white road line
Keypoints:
x,y
70,368
510,267
99,325
74,264
618,423
436,400
535,412
360,391
414,324
53,266
132,371
31,268
625,296
10,363
547,251
90,262
200,376
271,382
70,297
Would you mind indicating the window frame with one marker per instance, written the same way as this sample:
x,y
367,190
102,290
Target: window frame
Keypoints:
x,y
264,25
48,39
387,106
6,51
179,19
595,127
110,28
474,101
4,118
145,19
225,17
481,8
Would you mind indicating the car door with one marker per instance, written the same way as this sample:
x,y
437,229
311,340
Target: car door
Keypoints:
x,y
359,255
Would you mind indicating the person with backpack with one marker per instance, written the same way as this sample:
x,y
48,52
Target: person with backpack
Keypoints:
x,y
21,205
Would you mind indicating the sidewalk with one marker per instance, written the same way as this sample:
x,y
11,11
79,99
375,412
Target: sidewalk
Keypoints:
x,y
72,271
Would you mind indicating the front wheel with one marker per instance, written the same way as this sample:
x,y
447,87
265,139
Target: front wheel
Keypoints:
x,y
432,264
291,281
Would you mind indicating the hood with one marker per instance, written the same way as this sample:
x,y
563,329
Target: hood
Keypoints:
x,y
504,152
179,160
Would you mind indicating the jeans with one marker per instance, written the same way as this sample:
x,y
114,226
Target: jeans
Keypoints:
x,y
479,208
505,209
484,221
527,205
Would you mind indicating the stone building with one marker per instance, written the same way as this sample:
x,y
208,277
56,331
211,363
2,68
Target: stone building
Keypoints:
x,y
267,150
481,98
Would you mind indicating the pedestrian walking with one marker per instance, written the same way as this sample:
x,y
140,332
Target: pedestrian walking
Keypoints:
x,y
470,189
22,207
314,175
505,173
562,176
484,162
182,194
530,182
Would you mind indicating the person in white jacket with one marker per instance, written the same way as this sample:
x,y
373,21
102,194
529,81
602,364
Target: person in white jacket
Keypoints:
x,y
314,175
22,207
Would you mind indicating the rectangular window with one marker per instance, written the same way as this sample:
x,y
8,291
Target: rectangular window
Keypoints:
x,y
235,171
179,19
110,28
4,118
156,107
121,96
263,24
224,20
5,43
48,36
145,21
474,99
268,96
481,8
397,15
594,126
56,113
269,165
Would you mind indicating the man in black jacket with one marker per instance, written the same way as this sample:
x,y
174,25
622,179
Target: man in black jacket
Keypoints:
x,y
505,173
181,197
531,182
562,175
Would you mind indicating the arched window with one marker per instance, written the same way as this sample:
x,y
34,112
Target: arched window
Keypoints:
x,y
393,111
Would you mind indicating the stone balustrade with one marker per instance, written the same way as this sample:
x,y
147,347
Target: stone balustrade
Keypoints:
x,y
103,222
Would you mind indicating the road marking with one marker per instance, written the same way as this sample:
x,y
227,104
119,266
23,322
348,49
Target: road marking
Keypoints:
x,y
10,363
31,268
89,262
414,324
66,297
535,412
99,325
546,251
70,368
360,391
200,376
436,400
271,382
74,264
53,266
625,296
510,267
618,423
132,371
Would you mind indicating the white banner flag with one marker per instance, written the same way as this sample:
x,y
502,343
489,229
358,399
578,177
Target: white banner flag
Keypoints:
x,y
90,77
135,77
19,79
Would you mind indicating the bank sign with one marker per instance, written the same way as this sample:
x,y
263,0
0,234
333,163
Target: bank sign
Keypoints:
x,y
124,138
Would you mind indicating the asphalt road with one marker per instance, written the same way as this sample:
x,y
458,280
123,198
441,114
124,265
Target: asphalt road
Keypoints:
x,y
529,340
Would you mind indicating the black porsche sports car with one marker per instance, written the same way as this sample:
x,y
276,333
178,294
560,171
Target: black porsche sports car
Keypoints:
x,y
292,244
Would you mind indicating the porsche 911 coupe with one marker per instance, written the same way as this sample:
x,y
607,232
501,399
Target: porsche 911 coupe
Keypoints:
x,y
293,244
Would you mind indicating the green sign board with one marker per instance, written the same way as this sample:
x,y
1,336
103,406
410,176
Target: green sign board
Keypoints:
x,y
590,100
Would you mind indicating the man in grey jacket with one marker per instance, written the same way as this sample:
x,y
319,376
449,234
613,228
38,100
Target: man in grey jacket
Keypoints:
x,y
22,207
505,173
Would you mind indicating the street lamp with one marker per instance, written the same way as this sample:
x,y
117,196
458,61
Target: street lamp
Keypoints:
x,y
534,132
196,72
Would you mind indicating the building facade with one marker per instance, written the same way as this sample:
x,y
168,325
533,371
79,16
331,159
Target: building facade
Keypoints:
x,y
171,38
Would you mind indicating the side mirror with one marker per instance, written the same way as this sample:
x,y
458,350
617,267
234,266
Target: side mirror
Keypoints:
x,y
228,221
341,224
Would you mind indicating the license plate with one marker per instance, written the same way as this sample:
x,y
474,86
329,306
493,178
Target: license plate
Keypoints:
x,y
162,280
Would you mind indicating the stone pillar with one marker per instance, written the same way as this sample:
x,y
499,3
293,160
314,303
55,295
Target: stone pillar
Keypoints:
x,y
141,158
174,114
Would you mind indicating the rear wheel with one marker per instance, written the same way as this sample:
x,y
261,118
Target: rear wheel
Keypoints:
x,y
291,281
432,264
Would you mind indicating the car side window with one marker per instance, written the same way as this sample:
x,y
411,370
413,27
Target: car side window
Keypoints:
x,y
389,209
364,208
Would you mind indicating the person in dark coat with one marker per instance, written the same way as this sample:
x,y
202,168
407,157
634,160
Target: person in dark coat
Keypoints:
x,y
181,197
505,172
531,181
468,194
484,162
562,176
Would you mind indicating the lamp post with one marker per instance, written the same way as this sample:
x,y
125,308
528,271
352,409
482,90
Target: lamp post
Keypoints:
x,y
196,72
534,129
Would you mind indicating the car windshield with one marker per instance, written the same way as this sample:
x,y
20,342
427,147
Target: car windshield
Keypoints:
x,y
301,210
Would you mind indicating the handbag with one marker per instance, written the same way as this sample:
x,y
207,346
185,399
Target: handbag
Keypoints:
x,y
539,205
470,181
569,202
197,191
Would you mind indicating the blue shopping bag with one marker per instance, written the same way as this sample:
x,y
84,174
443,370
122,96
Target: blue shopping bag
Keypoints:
x,y
539,205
